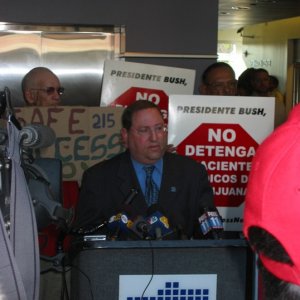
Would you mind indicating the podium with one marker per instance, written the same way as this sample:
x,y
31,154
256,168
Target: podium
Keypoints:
x,y
97,265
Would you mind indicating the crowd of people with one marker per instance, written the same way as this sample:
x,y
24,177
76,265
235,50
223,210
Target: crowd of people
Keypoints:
x,y
42,87
181,189
220,79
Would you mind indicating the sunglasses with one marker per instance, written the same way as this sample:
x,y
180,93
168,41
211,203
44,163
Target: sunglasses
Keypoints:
x,y
51,90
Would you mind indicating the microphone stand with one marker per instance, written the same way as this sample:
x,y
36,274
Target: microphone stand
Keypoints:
x,y
62,216
58,264
10,112
5,162
5,181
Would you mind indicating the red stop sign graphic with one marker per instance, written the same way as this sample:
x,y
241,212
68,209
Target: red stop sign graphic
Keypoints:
x,y
227,151
158,97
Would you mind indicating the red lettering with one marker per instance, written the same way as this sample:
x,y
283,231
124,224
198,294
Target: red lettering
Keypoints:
x,y
73,120
51,112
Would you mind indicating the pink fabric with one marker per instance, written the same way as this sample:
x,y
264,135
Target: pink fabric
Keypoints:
x,y
273,194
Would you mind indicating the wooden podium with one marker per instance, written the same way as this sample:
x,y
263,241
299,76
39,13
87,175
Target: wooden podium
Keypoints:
x,y
98,264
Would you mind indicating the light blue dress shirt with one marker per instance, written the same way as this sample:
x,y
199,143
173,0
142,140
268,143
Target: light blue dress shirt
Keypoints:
x,y
141,174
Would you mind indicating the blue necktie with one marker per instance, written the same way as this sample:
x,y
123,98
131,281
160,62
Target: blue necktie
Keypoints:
x,y
151,191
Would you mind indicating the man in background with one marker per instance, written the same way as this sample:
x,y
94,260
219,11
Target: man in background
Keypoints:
x,y
274,84
261,88
261,83
218,79
41,87
272,210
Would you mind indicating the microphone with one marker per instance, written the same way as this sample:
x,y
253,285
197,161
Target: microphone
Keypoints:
x,y
159,224
215,220
131,196
140,228
121,223
117,224
205,227
37,136
211,224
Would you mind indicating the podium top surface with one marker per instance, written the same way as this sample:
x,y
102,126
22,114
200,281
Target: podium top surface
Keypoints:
x,y
96,242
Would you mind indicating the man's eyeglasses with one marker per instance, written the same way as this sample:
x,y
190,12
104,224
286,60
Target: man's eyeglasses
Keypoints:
x,y
146,131
51,90
221,85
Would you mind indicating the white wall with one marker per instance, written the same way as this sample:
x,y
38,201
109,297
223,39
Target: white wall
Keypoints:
x,y
269,47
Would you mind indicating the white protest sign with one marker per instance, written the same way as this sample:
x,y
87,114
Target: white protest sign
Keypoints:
x,y
126,82
222,132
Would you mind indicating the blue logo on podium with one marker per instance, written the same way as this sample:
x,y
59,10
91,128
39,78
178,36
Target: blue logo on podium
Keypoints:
x,y
173,292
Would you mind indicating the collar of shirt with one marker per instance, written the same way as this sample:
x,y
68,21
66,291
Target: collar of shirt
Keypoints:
x,y
141,175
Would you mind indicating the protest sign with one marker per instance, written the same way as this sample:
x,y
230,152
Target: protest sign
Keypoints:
x,y
223,133
84,135
126,82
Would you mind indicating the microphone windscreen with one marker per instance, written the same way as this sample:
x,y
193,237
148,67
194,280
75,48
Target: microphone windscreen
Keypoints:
x,y
204,223
210,222
118,221
215,220
139,227
158,221
37,136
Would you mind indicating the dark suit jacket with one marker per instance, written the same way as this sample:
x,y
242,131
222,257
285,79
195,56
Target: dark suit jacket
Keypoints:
x,y
184,191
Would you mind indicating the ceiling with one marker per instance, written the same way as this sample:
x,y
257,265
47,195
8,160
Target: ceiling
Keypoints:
x,y
237,14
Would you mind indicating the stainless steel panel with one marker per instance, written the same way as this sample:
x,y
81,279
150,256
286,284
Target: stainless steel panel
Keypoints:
x,y
75,54
296,84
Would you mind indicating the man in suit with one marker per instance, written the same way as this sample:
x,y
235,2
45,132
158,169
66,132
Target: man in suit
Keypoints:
x,y
183,185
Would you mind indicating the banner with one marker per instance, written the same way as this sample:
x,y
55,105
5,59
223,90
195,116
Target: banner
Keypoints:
x,y
168,286
84,135
125,82
223,133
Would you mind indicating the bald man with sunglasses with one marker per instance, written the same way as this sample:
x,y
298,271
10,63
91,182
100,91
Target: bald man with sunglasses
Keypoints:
x,y
41,87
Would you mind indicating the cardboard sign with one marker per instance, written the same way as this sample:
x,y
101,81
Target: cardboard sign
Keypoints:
x,y
84,135
223,133
126,82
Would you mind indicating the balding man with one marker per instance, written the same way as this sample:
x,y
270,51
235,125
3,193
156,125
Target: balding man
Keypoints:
x,y
218,79
41,87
